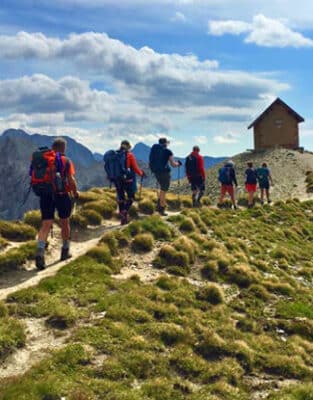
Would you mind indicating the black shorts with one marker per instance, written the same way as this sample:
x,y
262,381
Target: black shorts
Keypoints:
x,y
164,180
264,185
61,203
197,183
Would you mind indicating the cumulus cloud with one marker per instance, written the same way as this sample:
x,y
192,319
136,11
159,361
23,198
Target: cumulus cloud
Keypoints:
x,y
40,94
226,139
263,31
146,76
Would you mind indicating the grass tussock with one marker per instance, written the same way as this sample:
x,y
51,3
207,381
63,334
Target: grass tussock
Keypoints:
x,y
14,258
143,243
33,218
16,231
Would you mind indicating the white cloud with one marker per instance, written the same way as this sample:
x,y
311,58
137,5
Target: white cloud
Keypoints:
x,y
144,75
232,27
200,139
40,94
263,31
226,139
179,17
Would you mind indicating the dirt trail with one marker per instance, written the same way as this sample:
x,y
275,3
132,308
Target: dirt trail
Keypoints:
x,y
30,276
40,340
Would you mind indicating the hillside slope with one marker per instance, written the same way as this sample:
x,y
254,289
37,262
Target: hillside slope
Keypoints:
x,y
288,169
204,305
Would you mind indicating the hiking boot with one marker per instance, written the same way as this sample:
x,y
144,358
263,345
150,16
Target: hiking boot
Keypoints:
x,y
40,261
65,254
269,201
124,217
262,202
235,207
194,201
250,206
162,212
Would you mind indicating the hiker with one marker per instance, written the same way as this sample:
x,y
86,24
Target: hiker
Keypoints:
x,y
159,160
264,178
121,168
227,177
250,183
194,166
52,179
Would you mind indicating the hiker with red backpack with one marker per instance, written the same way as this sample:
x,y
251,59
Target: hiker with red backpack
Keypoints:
x,y
194,166
121,168
159,160
227,178
52,180
251,183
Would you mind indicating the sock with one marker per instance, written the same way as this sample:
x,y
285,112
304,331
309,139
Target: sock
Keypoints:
x,y
66,244
41,246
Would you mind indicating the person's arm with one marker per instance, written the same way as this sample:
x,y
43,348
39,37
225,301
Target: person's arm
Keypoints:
x,y
133,165
270,177
201,167
71,180
174,163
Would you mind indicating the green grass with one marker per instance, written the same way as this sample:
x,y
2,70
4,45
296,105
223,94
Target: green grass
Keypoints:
x,y
17,232
33,218
16,257
179,336
142,243
12,336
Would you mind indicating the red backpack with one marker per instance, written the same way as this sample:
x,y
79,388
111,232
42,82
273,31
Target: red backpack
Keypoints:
x,y
47,172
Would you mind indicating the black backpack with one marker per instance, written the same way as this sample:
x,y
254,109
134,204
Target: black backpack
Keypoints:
x,y
156,159
115,164
191,166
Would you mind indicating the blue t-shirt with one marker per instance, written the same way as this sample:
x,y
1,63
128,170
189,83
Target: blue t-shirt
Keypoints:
x,y
251,176
263,174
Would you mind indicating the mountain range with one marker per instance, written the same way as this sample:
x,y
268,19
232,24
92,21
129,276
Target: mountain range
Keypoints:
x,y
16,147
142,151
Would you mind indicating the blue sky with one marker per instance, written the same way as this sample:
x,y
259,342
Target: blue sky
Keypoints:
x,y
197,71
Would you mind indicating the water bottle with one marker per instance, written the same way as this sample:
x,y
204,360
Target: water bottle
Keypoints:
x,y
59,182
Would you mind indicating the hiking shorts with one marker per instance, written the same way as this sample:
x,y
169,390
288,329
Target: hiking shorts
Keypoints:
x,y
164,180
251,187
227,189
197,183
49,203
264,185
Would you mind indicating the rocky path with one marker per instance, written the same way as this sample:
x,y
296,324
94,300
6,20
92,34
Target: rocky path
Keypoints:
x,y
30,276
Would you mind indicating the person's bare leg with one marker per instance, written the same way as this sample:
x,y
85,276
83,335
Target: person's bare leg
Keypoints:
x,y
221,198
268,195
65,233
44,230
233,200
65,229
262,196
162,198
250,199
42,240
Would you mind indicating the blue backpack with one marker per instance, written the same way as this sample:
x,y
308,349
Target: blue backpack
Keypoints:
x,y
115,164
224,176
156,159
